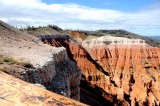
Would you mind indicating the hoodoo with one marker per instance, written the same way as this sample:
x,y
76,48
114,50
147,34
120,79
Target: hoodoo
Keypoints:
x,y
133,65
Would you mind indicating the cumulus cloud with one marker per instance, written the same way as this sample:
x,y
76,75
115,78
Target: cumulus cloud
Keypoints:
x,y
36,12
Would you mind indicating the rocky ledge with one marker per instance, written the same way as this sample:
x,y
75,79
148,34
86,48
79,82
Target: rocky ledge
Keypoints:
x,y
50,65
15,92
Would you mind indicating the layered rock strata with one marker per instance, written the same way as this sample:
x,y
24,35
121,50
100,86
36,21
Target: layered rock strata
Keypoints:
x,y
133,67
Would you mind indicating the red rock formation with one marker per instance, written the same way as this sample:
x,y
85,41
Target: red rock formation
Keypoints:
x,y
129,72
94,73
135,70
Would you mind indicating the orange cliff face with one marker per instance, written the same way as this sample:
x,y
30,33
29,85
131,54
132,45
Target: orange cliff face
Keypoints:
x,y
135,68
129,74
92,71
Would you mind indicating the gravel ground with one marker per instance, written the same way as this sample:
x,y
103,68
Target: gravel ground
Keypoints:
x,y
22,46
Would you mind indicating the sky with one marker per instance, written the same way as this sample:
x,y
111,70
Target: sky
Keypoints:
x,y
138,16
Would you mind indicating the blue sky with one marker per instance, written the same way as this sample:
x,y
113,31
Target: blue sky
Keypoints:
x,y
138,16
123,5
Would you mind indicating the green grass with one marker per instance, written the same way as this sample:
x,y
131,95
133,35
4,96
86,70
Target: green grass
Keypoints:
x,y
9,60
3,69
1,61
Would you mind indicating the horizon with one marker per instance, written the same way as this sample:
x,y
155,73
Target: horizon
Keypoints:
x,y
140,17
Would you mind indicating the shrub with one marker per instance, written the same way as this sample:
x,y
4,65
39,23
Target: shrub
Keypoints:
x,y
9,60
1,61
55,27
3,69
31,28
26,64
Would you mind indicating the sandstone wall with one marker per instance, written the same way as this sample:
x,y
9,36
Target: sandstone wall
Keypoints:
x,y
106,40
134,69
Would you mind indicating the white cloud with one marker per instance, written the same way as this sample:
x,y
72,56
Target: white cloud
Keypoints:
x,y
35,12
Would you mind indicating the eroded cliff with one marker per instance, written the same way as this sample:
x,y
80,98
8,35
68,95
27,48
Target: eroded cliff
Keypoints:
x,y
50,65
127,70
133,67
92,71
123,71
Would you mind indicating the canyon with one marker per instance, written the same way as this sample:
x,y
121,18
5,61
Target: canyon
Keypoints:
x,y
134,67
110,70
126,69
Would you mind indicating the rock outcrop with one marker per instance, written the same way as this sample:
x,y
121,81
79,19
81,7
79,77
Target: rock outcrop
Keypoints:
x,y
15,92
107,40
67,80
51,66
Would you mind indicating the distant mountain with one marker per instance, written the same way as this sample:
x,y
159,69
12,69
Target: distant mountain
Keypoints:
x,y
155,37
